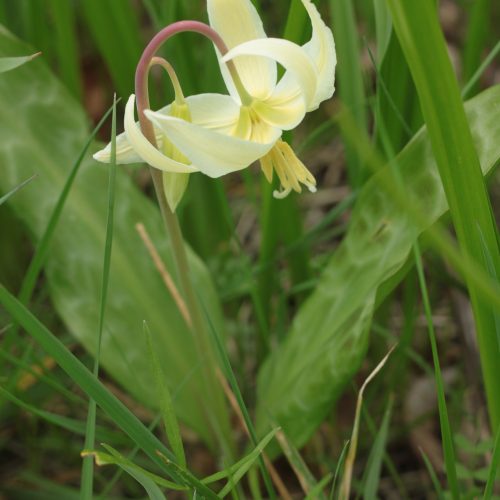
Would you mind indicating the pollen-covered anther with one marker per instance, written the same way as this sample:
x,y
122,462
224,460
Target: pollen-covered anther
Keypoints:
x,y
290,170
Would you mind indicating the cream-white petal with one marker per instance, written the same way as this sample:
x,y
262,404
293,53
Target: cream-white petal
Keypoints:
x,y
321,48
144,149
238,21
125,153
290,55
215,154
213,111
286,107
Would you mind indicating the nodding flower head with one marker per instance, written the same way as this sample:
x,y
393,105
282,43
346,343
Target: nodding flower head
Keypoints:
x,y
220,134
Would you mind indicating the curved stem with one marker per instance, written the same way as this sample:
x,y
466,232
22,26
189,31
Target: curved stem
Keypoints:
x,y
202,342
159,61
142,72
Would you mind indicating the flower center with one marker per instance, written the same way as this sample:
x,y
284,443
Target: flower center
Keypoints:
x,y
290,170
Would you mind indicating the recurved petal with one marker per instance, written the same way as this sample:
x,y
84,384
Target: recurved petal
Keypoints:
x,y
290,55
237,21
286,107
215,153
125,153
145,150
321,49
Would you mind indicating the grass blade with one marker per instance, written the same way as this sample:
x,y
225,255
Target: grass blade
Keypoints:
x,y
5,197
148,480
458,165
494,467
475,77
250,458
317,491
477,35
87,480
350,75
119,41
345,486
118,412
167,408
446,434
10,63
374,465
229,374
340,464
304,475
38,260
238,470
433,475
66,45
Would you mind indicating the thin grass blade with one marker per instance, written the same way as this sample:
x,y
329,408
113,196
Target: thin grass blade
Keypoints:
x,y
345,487
118,412
350,75
167,408
458,165
148,480
494,468
5,197
376,457
236,473
87,480
338,469
10,63
446,433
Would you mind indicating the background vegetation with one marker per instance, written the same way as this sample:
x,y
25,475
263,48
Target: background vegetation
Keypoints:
x,y
303,297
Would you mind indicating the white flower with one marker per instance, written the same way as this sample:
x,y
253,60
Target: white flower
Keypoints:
x,y
228,133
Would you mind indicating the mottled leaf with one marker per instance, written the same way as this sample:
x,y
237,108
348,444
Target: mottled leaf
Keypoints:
x,y
303,378
43,130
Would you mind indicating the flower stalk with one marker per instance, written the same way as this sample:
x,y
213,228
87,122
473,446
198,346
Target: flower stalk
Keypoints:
x,y
198,328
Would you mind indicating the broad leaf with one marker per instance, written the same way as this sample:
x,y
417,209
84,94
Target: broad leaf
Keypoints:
x,y
303,378
43,130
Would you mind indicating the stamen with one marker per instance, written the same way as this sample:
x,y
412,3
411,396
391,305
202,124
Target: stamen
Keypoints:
x,y
289,169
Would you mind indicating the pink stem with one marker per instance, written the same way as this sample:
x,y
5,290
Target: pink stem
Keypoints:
x,y
142,72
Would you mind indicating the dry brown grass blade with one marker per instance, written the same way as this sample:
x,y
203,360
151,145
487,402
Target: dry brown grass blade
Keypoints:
x,y
345,487
165,275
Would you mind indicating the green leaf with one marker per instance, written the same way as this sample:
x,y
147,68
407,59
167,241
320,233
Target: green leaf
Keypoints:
x,y
45,135
9,63
166,405
245,462
237,473
148,480
304,475
459,168
86,380
317,490
494,468
374,464
87,478
13,191
303,378
350,75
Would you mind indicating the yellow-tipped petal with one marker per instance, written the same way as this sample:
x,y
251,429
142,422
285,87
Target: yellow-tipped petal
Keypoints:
x,y
215,154
237,21
144,149
321,49
290,55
